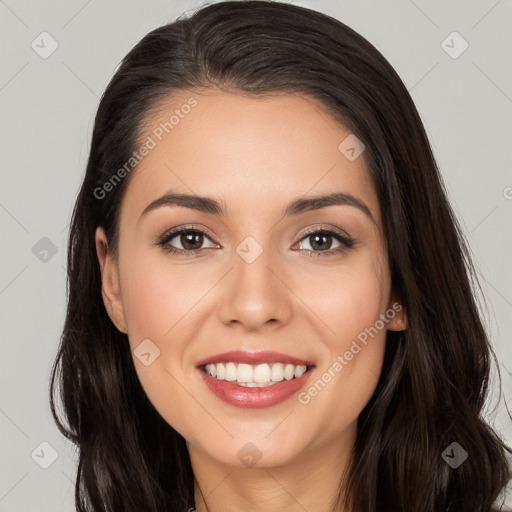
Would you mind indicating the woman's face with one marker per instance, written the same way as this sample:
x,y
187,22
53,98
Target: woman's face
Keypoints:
x,y
309,282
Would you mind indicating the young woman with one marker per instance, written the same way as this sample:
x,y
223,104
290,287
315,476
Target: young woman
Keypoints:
x,y
270,302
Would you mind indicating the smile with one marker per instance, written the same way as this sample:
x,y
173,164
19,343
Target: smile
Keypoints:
x,y
254,379
261,375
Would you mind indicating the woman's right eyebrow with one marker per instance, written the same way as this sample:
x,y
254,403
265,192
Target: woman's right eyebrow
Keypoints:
x,y
297,206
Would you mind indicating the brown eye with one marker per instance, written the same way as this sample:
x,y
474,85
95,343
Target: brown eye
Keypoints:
x,y
190,240
321,242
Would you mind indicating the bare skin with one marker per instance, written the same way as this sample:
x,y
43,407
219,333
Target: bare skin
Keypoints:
x,y
254,156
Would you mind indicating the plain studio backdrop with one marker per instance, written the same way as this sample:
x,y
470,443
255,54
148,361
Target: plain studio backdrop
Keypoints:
x,y
57,58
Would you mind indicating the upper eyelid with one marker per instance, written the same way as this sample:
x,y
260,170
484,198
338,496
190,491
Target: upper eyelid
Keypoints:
x,y
173,233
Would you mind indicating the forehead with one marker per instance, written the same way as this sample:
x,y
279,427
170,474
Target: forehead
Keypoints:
x,y
245,151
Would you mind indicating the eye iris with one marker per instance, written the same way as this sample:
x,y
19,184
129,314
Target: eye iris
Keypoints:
x,y
323,238
191,238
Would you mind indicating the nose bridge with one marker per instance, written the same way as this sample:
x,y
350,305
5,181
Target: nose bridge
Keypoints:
x,y
252,262
255,295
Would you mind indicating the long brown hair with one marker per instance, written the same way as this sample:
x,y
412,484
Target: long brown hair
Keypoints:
x,y
435,375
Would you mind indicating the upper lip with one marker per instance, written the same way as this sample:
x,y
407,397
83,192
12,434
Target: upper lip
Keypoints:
x,y
249,357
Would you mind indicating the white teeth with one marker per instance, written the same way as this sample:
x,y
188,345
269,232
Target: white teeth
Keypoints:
x,y
260,375
256,384
211,369
299,371
231,373
244,373
289,370
277,374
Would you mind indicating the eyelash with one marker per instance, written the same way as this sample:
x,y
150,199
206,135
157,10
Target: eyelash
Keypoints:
x,y
346,241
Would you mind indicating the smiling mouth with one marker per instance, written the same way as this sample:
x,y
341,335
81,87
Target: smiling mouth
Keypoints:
x,y
255,376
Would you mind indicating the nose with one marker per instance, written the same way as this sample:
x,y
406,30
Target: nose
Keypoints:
x,y
253,294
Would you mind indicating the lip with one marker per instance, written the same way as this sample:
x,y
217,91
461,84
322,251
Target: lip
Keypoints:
x,y
254,398
263,356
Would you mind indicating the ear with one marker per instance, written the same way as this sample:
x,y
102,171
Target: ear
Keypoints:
x,y
110,287
397,314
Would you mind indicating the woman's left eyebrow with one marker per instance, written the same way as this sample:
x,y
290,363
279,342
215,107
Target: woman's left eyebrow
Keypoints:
x,y
297,206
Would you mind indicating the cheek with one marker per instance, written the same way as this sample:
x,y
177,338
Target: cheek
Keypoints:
x,y
157,295
350,298
158,301
352,307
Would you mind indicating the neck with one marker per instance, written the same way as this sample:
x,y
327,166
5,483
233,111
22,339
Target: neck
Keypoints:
x,y
309,482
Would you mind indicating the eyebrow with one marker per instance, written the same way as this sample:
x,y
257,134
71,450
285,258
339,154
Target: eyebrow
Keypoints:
x,y
300,205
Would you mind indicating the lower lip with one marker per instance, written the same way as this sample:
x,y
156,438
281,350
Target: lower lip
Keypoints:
x,y
254,398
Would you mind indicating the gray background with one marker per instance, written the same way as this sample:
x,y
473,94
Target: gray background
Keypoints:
x,y
48,105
